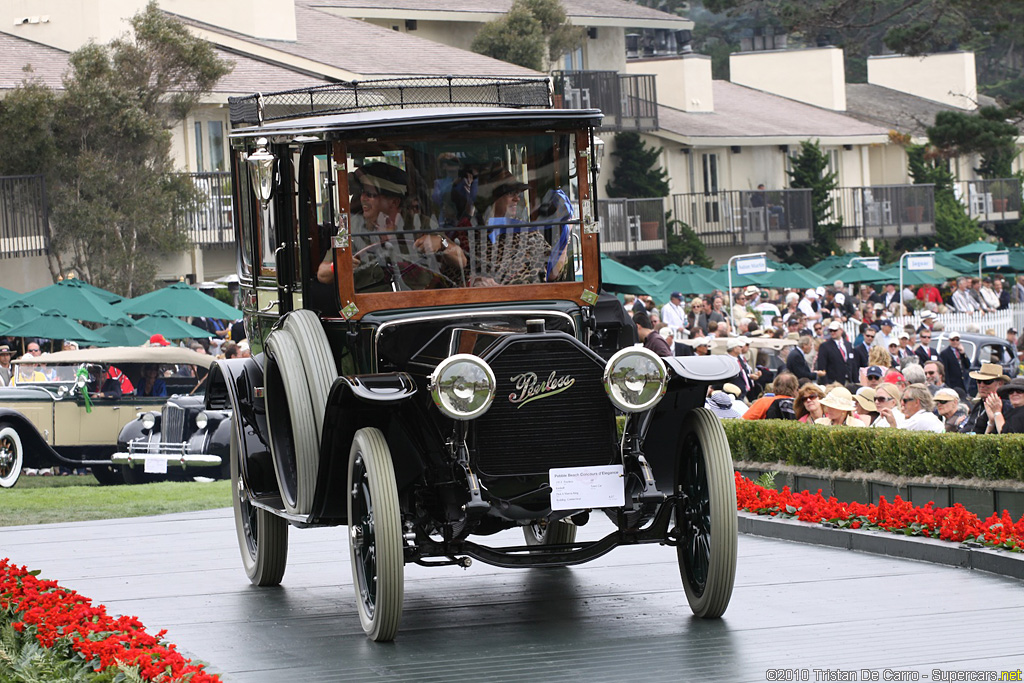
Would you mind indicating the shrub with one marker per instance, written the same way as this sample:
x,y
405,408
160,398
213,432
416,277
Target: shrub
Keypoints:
x,y
897,452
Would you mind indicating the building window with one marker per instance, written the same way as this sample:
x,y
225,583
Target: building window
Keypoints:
x,y
574,60
833,162
210,152
710,162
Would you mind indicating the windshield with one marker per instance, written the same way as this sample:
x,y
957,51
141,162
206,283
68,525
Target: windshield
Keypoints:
x,y
486,210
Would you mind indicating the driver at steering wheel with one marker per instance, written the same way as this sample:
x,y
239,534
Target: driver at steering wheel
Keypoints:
x,y
406,261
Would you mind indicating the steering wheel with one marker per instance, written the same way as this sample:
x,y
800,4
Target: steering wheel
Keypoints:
x,y
391,266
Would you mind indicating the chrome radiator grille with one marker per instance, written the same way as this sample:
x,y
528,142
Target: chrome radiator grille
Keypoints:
x,y
538,419
172,424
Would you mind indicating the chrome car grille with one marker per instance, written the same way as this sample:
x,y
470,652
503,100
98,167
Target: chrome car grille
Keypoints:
x,y
529,434
172,424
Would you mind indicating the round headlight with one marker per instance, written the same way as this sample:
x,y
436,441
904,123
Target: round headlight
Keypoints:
x,y
462,386
635,379
148,421
202,419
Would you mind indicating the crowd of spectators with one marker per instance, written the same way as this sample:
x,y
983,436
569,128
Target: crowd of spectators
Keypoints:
x,y
887,376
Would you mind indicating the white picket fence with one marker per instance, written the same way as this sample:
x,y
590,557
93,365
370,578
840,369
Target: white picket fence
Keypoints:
x,y
996,323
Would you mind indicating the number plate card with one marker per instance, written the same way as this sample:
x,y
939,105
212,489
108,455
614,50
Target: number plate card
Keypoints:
x,y
155,466
576,488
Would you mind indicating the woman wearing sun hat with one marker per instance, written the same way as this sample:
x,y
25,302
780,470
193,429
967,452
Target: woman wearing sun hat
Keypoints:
x,y
839,408
1008,421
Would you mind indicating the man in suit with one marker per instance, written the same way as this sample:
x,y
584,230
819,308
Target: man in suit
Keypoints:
x,y
796,360
862,351
924,351
955,362
835,356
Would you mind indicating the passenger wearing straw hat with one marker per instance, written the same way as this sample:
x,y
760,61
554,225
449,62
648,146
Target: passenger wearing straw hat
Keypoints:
x,y
990,378
839,408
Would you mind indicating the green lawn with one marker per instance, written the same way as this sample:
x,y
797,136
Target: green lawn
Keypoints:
x,y
42,500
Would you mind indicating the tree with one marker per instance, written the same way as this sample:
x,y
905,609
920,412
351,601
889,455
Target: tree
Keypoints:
x,y
953,227
104,143
638,171
809,169
532,33
991,132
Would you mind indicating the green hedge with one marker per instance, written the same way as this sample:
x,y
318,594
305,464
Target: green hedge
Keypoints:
x,y
898,452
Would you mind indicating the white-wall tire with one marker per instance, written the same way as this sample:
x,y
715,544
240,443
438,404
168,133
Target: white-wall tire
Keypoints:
x,y
707,519
375,535
12,456
262,536
295,442
318,361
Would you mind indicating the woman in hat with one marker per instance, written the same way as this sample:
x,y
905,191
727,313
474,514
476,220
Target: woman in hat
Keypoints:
x,y
839,409
865,398
1007,421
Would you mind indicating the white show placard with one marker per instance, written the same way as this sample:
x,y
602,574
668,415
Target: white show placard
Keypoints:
x,y
993,260
155,466
924,262
871,263
576,488
751,266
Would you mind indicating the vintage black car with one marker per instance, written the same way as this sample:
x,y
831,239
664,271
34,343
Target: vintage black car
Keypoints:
x,y
180,441
435,362
64,422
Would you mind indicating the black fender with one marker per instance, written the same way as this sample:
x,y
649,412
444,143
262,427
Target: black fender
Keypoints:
x,y
38,453
232,385
662,427
134,430
355,401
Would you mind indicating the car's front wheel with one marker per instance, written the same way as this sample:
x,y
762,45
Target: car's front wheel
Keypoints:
x,y
375,535
705,515
553,533
262,535
12,456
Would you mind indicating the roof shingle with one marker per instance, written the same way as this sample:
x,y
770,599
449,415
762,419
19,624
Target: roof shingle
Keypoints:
x,y
27,60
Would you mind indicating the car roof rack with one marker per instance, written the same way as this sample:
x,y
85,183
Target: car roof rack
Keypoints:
x,y
391,93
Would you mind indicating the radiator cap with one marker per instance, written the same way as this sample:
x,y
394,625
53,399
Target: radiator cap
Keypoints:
x,y
535,325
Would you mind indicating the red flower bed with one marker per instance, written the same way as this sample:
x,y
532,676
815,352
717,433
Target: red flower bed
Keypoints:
x,y
57,615
949,524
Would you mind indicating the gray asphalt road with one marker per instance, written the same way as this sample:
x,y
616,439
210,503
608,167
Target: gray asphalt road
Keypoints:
x,y
799,612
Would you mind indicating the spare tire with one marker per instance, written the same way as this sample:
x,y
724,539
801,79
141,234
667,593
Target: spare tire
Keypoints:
x,y
294,439
317,359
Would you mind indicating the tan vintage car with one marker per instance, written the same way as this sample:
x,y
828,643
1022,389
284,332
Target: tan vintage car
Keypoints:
x,y
63,422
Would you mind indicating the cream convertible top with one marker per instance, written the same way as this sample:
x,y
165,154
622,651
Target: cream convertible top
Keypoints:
x,y
162,355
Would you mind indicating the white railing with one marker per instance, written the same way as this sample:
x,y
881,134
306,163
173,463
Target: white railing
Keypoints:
x,y
998,322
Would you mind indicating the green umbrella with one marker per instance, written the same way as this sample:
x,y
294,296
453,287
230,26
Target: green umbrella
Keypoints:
x,y
935,276
17,313
616,277
123,332
53,324
181,299
954,262
162,322
860,273
8,296
790,279
974,249
684,281
72,298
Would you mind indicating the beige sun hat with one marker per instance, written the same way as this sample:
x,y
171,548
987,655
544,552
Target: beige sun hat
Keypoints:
x,y
840,399
865,398
990,371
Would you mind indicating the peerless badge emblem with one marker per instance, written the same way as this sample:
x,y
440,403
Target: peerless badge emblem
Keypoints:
x,y
529,388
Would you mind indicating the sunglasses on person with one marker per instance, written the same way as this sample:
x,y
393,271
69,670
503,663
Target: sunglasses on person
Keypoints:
x,y
943,400
874,377
882,399
869,336
986,382
907,400
1015,391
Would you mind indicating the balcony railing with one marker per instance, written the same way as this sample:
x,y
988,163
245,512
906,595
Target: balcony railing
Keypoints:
x,y
991,201
884,211
24,215
628,102
209,224
630,226
754,218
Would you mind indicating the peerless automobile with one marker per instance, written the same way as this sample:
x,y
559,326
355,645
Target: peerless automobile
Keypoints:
x,y
63,422
419,264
